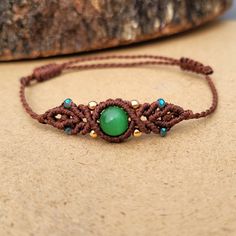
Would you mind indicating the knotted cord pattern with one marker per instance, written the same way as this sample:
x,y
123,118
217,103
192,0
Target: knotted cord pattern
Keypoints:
x,y
148,118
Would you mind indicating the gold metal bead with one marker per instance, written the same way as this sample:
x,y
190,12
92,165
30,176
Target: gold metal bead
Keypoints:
x,y
92,105
93,134
135,104
137,133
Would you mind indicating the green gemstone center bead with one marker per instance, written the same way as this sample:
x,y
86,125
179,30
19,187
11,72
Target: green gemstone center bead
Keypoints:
x,y
114,121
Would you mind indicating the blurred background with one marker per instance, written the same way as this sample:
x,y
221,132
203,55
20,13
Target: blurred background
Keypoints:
x,y
231,14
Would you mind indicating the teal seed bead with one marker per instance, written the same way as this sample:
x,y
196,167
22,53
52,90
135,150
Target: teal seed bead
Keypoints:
x,y
161,102
67,103
163,132
68,130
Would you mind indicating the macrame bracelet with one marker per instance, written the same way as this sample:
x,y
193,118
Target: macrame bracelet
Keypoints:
x,y
116,119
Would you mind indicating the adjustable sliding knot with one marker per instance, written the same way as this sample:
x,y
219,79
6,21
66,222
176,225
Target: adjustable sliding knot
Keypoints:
x,y
195,66
47,72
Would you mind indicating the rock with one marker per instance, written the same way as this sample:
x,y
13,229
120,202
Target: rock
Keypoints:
x,y
41,28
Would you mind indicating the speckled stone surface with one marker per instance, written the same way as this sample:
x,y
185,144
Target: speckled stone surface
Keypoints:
x,y
40,28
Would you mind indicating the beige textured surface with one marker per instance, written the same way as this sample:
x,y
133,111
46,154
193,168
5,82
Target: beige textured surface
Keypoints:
x,y
184,184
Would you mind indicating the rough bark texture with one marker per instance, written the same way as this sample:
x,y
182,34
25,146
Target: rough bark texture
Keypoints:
x,y
40,28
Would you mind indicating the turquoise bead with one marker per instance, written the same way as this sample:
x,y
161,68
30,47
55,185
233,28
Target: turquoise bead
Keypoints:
x,y
161,102
68,130
163,132
114,121
67,103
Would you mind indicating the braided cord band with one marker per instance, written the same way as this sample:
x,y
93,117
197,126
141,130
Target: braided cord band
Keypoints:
x,y
115,119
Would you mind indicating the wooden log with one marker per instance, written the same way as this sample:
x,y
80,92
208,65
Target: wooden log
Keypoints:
x,y
41,28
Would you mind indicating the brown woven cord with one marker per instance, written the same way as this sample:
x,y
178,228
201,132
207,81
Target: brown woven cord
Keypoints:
x,y
149,117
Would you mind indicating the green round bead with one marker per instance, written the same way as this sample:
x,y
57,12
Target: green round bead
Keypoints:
x,y
114,121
